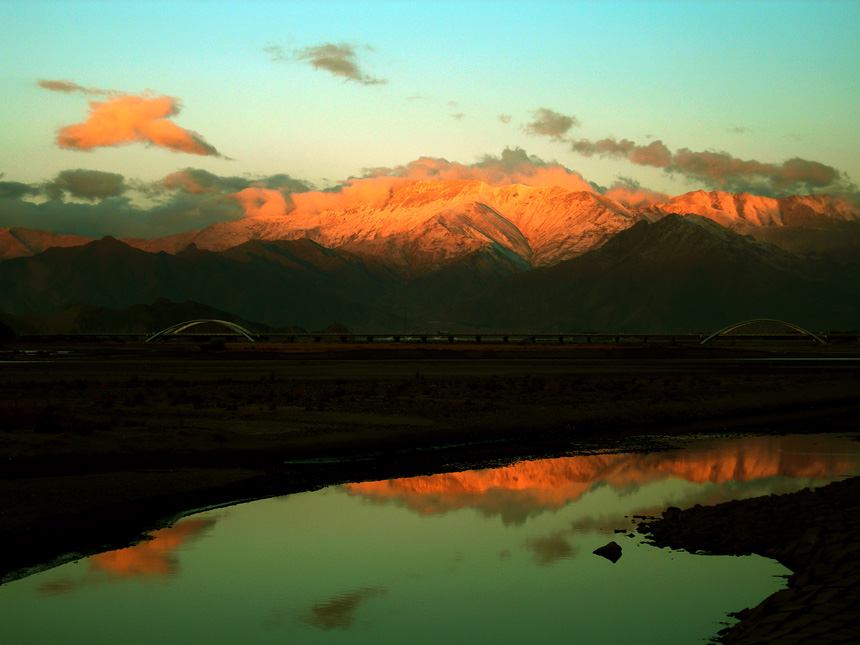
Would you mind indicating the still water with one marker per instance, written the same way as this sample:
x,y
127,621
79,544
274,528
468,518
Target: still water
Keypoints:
x,y
484,556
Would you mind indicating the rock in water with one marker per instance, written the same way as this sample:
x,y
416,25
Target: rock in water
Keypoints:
x,y
611,551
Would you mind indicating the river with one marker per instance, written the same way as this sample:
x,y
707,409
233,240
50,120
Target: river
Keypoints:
x,y
482,556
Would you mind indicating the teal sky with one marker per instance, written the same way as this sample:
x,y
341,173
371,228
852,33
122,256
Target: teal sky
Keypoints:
x,y
766,81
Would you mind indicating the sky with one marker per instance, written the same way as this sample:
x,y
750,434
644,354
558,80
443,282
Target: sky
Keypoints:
x,y
146,118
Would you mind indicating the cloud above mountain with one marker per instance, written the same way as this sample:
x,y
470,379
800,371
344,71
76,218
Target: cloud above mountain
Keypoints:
x,y
16,189
513,166
632,194
90,185
712,169
262,201
654,154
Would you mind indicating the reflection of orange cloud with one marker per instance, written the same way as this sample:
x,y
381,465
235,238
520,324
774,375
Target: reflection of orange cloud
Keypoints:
x,y
339,612
549,550
133,119
153,557
552,483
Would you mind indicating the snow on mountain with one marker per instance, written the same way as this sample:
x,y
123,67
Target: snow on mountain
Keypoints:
x,y
422,225
742,210
19,242
427,223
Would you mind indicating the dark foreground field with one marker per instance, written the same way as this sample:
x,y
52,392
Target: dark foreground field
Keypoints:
x,y
102,443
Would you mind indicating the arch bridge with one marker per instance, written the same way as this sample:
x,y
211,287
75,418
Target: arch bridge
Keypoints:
x,y
182,327
763,328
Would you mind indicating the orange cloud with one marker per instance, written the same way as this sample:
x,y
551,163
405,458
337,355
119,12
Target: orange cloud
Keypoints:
x,y
371,192
134,119
262,201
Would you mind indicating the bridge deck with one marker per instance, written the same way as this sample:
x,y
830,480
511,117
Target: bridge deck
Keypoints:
x,y
422,338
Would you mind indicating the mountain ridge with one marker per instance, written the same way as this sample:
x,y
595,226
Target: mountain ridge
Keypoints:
x,y
676,274
419,226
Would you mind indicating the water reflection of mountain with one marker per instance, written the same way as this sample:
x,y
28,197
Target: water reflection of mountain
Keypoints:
x,y
739,466
155,557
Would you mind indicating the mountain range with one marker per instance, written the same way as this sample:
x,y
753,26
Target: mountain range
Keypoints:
x,y
466,255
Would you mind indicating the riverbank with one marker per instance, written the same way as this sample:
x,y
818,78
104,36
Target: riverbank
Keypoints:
x,y
815,534
101,445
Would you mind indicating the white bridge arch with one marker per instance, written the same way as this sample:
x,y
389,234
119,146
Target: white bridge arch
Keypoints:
x,y
763,322
178,328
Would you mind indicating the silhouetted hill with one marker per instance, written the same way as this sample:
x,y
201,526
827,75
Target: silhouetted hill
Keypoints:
x,y
677,274
6,332
140,318
108,273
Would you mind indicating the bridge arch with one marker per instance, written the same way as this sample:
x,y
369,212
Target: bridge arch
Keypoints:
x,y
755,325
178,328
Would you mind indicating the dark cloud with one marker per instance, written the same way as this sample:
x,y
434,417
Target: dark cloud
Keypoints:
x,y
186,200
549,123
739,129
91,185
68,87
458,116
118,217
196,181
653,154
16,190
338,59
722,171
285,183
276,52
505,118
512,158
513,166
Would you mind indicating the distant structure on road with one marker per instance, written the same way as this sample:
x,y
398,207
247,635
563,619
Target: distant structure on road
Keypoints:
x,y
183,327
763,328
